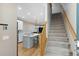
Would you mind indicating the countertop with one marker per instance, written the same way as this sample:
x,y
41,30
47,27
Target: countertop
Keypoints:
x,y
31,35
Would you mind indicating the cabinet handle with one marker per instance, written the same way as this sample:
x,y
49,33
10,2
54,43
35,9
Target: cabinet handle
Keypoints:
x,y
4,24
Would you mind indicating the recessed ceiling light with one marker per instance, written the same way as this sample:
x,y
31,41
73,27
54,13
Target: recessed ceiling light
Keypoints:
x,y
34,17
23,17
28,13
41,14
19,8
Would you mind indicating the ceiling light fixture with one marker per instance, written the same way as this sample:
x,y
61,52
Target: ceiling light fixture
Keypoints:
x,y
34,17
19,8
41,14
23,17
28,13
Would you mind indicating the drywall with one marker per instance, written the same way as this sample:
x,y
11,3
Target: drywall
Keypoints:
x,y
32,12
49,13
56,8
8,38
28,27
70,9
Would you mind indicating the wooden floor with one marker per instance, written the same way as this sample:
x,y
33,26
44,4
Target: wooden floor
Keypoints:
x,y
24,51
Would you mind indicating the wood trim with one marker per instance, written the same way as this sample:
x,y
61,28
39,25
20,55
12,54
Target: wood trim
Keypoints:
x,y
70,28
42,41
17,40
40,51
35,53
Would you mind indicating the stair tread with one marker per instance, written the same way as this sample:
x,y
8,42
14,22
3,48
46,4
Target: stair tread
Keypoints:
x,y
57,49
57,52
58,39
57,43
54,54
57,31
53,27
57,34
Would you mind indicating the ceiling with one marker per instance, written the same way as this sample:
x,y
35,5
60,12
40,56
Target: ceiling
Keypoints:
x,y
31,12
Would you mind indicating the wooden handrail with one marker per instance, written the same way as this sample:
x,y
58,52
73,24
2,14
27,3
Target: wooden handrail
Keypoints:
x,y
69,27
67,22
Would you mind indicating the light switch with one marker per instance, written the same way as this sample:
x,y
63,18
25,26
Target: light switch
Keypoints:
x,y
6,37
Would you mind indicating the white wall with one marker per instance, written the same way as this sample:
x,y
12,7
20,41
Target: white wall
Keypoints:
x,y
8,38
28,28
70,9
56,8
49,13
32,12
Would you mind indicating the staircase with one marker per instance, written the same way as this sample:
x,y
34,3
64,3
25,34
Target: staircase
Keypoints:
x,y
57,44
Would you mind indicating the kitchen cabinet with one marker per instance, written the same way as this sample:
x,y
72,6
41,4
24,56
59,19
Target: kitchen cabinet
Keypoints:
x,y
20,25
30,41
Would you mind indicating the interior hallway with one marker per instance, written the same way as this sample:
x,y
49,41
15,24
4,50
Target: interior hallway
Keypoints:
x,y
57,44
35,19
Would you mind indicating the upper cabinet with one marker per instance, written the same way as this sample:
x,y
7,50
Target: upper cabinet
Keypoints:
x,y
20,25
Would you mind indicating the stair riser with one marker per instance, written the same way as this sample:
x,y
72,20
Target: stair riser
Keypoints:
x,y
60,40
56,53
56,28
56,50
57,31
56,25
56,42
58,45
57,35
